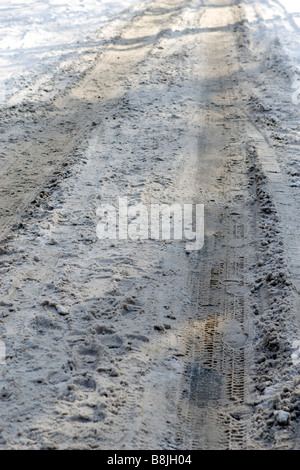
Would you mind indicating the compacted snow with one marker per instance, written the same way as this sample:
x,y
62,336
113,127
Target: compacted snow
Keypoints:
x,y
141,343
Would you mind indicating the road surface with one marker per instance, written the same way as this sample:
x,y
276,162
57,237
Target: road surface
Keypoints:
x,y
143,343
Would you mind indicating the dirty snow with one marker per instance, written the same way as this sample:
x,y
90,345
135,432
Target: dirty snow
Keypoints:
x,y
107,344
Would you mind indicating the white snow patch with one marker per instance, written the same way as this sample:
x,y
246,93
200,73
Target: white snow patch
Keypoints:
x,y
296,353
38,34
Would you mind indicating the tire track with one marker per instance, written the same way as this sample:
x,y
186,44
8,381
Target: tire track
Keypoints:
x,y
214,389
41,140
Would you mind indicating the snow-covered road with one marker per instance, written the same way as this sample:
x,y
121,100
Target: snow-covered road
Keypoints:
x,y
140,343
